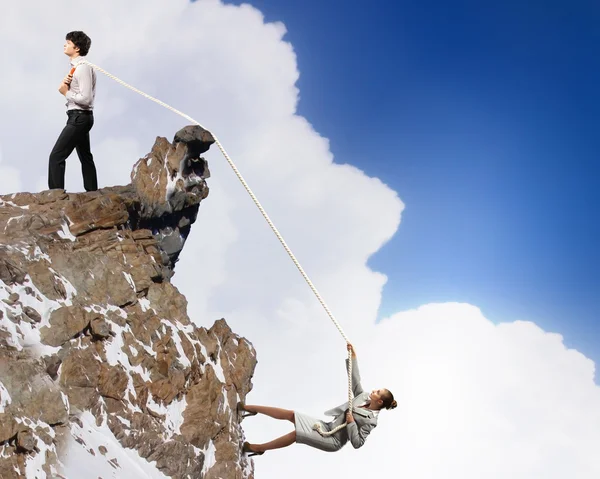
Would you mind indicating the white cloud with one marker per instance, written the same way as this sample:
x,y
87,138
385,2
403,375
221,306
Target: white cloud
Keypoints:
x,y
10,178
475,399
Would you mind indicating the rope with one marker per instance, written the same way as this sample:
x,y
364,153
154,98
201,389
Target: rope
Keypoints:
x,y
265,215
317,426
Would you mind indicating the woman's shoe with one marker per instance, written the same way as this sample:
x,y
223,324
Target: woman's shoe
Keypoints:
x,y
241,410
246,448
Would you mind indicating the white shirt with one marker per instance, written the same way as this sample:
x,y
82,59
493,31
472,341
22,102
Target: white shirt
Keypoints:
x,y
374,411
82,90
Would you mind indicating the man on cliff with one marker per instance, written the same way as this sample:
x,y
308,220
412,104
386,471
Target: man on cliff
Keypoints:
x,y
79,88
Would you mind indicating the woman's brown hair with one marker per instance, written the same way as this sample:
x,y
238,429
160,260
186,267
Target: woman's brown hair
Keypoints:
x,y
388,400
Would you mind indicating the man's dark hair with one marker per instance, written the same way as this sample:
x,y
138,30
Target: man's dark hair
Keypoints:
x,y
81,41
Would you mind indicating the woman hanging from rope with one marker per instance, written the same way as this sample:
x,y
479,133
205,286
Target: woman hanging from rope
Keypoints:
x,y
361,420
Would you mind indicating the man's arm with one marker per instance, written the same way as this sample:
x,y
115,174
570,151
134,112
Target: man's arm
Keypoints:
x,y
86,82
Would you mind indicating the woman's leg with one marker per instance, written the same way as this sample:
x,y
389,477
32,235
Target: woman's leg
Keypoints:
x,y
274,412
278,443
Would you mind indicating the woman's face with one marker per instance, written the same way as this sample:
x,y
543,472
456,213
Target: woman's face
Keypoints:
x,y
376,397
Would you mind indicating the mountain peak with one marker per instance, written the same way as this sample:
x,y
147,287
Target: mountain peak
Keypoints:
x,y
98,357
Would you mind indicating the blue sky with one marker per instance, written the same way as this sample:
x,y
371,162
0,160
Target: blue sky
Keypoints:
x,y
485,120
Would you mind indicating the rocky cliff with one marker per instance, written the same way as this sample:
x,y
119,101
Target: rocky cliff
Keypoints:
x,y
97,352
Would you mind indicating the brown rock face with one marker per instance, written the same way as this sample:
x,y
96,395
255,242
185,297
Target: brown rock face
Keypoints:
x,y
65,323
91,326
26,441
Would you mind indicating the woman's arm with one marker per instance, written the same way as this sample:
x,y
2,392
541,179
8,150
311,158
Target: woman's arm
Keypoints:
x,y
356,386
357,435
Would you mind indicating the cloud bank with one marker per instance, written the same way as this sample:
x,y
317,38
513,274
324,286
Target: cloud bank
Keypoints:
x,y
476,399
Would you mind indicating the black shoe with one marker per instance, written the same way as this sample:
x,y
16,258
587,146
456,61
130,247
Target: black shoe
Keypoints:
x,y
242,412
246,448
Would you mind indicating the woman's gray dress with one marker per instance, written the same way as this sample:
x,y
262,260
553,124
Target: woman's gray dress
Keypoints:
x,y
364,421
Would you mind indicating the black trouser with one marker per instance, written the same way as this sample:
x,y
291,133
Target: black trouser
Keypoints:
x,y
75,135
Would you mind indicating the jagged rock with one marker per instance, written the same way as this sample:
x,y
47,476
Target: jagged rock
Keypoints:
x,y
112,382
8,426
115,318
26,440
189,464
82,398
167,389
12,467
202,417
86,213
65,323
100,328
46,281
197,139
32,392
52,365
11,273
143,324
5,338
171,182
32,314
12,298
81,368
